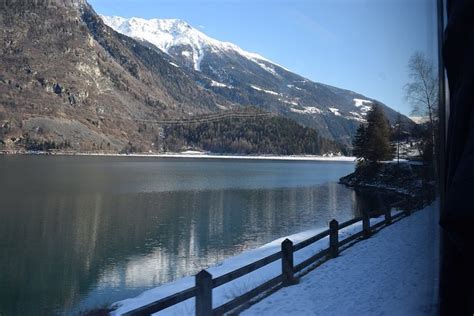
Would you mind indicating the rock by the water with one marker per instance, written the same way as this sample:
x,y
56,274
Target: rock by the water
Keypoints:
x,y
403,178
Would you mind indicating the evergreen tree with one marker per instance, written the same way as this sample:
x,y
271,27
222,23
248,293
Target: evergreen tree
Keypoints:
x,y
360,143
275,135
372,141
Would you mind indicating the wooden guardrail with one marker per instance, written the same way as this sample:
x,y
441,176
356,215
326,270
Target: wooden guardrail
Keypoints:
x,y
205,283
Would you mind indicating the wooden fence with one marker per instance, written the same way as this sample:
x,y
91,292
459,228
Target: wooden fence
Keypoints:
x,y
205,283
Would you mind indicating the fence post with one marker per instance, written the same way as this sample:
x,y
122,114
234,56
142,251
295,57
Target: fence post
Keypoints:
x,y
203,293
287,263
388,216
408,211
366,224
333,238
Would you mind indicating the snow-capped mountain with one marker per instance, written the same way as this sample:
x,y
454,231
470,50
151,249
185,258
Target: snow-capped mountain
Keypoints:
x,y
246,78
167,34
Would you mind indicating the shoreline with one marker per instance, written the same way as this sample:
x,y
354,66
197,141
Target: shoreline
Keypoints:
x,y
197,155
404,179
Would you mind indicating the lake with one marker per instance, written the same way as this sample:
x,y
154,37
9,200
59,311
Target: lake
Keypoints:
x,y
79,232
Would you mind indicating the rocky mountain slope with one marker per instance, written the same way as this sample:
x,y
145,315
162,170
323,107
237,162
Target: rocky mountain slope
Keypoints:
x,y
247,78
69,82
67,76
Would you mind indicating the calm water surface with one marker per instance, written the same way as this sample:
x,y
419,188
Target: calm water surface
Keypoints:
x,y
78,233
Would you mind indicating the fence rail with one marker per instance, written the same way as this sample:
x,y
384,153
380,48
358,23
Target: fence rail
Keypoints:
x,y
164,303
205,283
245,270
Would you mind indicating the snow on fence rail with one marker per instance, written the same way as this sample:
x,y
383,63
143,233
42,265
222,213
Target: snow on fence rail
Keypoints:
x,y
205,283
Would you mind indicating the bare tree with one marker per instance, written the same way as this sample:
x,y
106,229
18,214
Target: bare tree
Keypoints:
x,y
422,90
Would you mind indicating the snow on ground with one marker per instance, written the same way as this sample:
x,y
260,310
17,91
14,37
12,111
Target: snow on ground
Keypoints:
x,y
239,286
218,84
363,105
265,67
395,272
357,117
307,110
293,86
294,103
335,111
360,102
408,148
222,107
205,155
263,90
291,102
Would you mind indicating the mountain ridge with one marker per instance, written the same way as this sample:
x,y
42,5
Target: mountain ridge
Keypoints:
x,y
69,82
247,78
167,33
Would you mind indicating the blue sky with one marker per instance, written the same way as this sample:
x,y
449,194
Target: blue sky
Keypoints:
x,y
360,45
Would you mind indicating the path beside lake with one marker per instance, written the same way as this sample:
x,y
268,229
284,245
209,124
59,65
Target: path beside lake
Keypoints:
x,y
393,273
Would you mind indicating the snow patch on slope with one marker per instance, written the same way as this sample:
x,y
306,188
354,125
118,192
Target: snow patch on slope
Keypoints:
x,y
357,116
307,110
267,68
290,102
363,105
263,90
335,111
360,102
218,84
293,87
